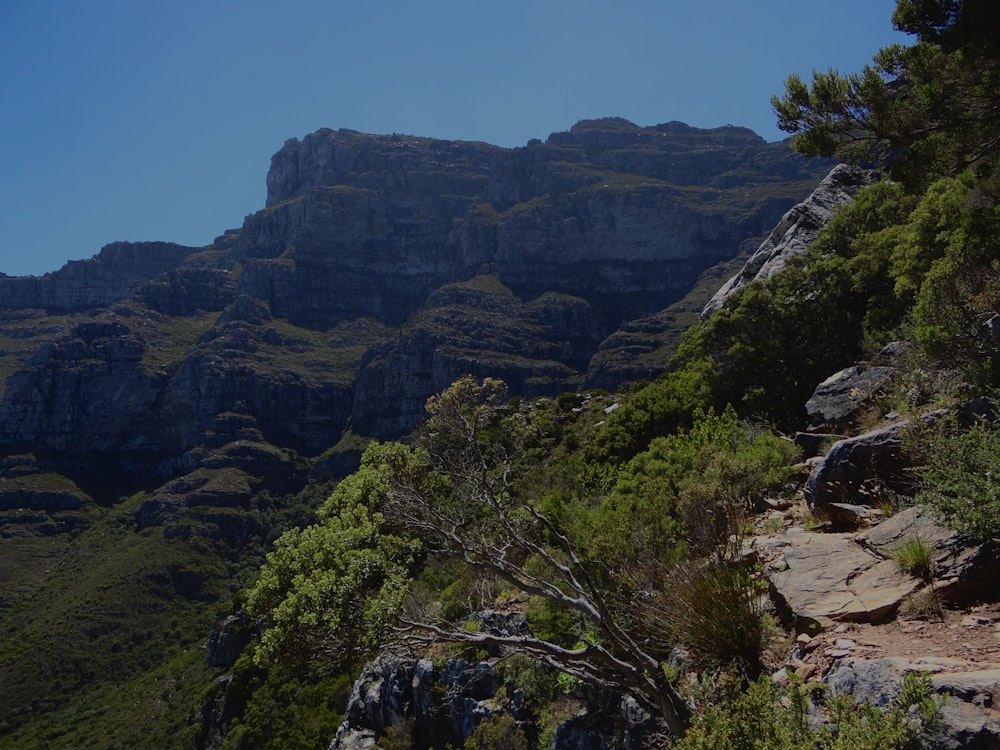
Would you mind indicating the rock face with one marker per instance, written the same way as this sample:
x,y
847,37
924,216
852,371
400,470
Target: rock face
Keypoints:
x,y
826,578
439,705
118,271
796,230
426,705
380,269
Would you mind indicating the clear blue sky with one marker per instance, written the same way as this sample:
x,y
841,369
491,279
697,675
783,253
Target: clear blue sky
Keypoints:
x,y
142,120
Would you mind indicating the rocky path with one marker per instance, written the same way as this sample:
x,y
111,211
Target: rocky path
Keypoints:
x,y
858,622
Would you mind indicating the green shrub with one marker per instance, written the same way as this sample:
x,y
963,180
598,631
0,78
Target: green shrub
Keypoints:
x,y
763,716
962,481
497,733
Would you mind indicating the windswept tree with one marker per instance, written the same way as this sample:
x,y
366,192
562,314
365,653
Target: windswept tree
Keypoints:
x,y
922,111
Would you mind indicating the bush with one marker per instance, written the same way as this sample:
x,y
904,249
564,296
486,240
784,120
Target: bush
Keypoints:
x,y
765,717
961,481
713,610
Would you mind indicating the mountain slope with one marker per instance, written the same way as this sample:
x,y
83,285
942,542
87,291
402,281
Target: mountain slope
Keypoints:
x,y
162,406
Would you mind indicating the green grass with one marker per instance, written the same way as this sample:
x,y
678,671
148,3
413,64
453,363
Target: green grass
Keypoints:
x,y
25,561
111,605
914,555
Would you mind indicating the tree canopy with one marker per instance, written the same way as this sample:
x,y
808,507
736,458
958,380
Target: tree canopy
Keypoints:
x,y
921,111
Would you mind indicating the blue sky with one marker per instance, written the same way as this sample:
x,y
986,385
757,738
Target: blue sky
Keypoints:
x,y
143,120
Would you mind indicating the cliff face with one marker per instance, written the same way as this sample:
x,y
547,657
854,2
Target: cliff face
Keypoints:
x,y
381,268
620,215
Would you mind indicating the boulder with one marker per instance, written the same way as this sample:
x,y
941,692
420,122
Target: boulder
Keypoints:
x,y
841,398
857,468
964,569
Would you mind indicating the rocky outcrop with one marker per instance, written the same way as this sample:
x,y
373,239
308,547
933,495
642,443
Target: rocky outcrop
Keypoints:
x,y
434,705
426,705
120,270
822,578
841,398
962,568
796,231
229,638
968,716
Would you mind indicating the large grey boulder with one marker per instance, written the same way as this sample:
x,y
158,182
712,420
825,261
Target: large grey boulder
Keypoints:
x,y
858,468
839,399
796,231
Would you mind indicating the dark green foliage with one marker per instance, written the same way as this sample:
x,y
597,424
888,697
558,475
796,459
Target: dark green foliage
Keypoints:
x,y
658,408
497,733
333,587
688,488
763,716
283,708
923,111
960,480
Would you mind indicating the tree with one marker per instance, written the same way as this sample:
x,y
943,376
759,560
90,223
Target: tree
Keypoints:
x,y
923,111
457,490
452,494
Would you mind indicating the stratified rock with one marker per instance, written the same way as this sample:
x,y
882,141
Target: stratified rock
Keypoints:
x,y
963,569
829,577
352,290
117,272
797,230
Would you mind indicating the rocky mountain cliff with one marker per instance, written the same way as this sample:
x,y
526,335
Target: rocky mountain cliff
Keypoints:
x,y
381,268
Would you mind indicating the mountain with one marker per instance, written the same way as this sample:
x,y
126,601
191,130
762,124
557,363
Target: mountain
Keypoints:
x,y
165,399
381,268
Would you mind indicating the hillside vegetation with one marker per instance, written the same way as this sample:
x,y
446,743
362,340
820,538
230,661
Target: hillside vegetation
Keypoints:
x,y
588,545
620,541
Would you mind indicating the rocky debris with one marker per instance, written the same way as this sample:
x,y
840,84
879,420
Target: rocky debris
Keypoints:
x,y
797,230
839,399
